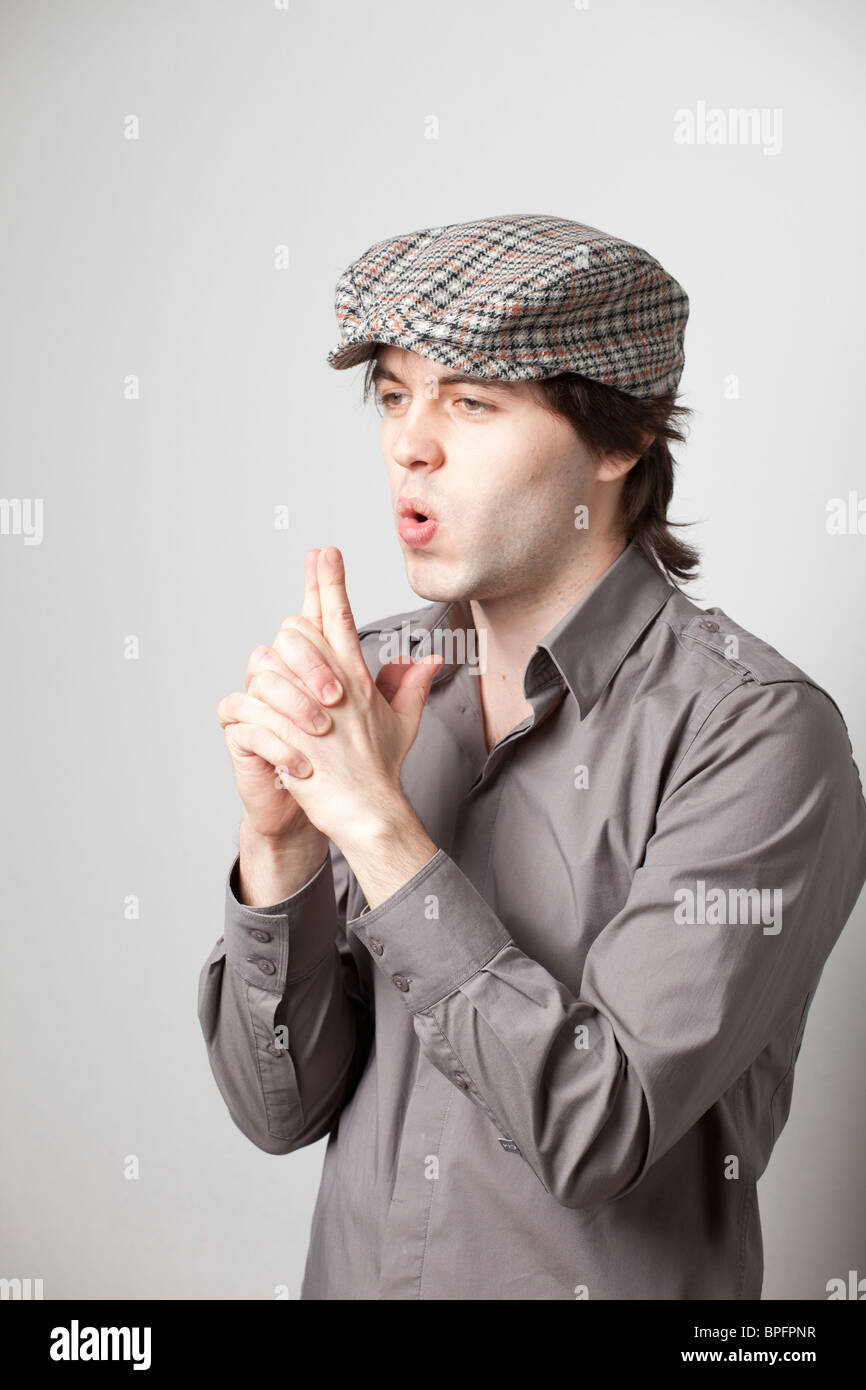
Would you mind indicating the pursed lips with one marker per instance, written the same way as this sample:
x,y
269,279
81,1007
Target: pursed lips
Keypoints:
x,y
415,509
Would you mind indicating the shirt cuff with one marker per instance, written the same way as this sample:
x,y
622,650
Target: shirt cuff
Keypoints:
x,y
433,934
271,946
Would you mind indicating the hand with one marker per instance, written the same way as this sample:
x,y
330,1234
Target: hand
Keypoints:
x,y
351,785
256,736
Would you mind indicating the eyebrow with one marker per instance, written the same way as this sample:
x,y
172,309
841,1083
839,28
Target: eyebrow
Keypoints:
x,y
381,373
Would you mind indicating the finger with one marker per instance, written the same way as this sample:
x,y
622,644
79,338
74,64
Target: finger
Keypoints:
x,y
312,606
289,698
248,739
268,659
264,659
338,620
308,657
390,677
289,712
413,686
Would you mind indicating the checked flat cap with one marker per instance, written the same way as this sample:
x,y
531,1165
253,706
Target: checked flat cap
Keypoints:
x,y
515,297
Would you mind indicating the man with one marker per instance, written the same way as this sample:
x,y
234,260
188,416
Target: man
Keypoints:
x,y
530,927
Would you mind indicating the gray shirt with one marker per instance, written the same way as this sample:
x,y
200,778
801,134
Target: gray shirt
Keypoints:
x,y
554,1063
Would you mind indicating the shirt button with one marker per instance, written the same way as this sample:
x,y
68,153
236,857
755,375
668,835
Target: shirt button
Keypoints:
x,y
400,981
461,1081
266,966
708,626
375,946
275,1050
258,935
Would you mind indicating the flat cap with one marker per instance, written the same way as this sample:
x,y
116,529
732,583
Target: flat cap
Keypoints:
x,y
515,297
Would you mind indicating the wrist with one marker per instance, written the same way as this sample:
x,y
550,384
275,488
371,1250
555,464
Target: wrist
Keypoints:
x,y
271,869
293,851
379,823
386,851
288,844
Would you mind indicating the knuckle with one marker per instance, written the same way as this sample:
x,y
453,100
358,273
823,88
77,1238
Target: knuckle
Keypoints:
x,y
226,709
253,740
318,668
303,708
258,740
255,662
287,640
236,737
285,730
365,684
312,712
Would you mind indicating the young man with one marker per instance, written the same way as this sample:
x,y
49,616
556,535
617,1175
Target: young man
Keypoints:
x,y
529,928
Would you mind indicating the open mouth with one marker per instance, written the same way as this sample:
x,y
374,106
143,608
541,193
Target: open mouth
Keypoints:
x,y
413,509
416,525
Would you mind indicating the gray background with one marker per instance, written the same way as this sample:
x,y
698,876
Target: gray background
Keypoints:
x,y
306,127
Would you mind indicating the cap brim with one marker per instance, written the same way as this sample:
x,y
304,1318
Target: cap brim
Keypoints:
x,y
351,354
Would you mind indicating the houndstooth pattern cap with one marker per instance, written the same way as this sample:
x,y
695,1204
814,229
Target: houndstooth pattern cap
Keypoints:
x,y
515,297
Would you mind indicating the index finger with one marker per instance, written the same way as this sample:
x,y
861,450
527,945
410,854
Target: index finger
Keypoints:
x,y
338,620
312,607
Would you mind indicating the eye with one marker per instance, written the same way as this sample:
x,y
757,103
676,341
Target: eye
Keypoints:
x,y
390,400
381,398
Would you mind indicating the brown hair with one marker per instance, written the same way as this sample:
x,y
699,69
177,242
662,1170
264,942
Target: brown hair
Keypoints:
x,y
608,419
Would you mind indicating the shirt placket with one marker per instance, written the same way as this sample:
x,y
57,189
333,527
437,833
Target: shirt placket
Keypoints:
x,y
425,1159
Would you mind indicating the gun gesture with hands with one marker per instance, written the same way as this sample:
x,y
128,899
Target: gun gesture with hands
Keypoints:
x,y
317,745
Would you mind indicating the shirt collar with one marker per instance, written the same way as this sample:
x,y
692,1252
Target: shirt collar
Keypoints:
x,y
588,643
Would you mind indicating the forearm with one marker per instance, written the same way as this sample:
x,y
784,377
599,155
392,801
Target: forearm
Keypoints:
x,y
270,871
385,852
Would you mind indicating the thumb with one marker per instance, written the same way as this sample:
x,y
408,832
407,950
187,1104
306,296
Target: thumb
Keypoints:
x,y
410,685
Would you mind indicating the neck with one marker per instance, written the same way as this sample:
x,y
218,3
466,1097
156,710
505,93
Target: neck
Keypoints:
x,y
516,623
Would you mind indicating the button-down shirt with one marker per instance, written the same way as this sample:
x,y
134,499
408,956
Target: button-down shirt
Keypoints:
x,y
554,1063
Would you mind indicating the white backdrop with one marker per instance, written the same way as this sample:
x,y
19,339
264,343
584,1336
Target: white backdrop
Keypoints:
x,y
164,390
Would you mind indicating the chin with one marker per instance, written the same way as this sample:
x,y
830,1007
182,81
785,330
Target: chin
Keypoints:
x,y
433,587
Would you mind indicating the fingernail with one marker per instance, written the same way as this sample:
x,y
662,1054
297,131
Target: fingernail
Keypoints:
x,y
331,555
320,721
300,768
331,691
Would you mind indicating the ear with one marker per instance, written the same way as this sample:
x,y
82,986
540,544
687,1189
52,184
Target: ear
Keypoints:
x,y
612,466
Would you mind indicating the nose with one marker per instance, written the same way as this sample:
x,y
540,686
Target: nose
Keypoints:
x,y
415,441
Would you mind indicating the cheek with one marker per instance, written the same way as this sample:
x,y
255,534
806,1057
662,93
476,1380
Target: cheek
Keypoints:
x,y
504,527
